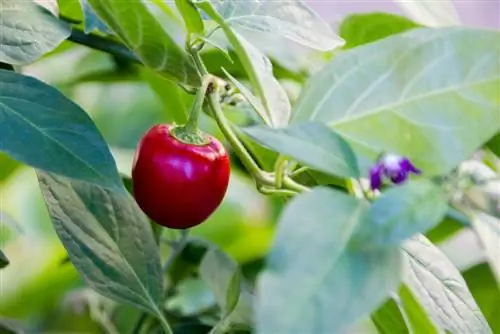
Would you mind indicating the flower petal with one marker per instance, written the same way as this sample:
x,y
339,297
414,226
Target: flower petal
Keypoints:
x,y
408,167
376,173
399,177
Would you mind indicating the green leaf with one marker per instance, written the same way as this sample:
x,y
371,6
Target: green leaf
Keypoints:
x,y
28,31
250,98
400,213
191,16
359,29
431,13
92,21
388,319
4,262
440,288
311,280
488,232
312,144
291,19
418,319
233,292
428,94
218,270
484,287
61,137
175,100
108,239
147,39
193,297
448,228
494,144
260,72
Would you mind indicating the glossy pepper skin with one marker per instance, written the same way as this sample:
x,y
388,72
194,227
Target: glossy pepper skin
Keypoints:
x,y
179,185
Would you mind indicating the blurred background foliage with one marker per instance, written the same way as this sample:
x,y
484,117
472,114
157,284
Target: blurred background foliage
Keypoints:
x,y
42,289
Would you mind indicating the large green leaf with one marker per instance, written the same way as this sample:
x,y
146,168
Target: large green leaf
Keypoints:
x,y
359,29
108,239
429,94
42,128
140,31
400,213
191,16
4,262
292,19
312,144
440,288
260,72
28,31
312,283
221,273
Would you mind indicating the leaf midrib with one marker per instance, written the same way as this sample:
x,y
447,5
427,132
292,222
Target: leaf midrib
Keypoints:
x,y
118,250
391,106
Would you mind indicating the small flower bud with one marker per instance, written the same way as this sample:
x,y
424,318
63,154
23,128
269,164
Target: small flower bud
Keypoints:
x,y
392,166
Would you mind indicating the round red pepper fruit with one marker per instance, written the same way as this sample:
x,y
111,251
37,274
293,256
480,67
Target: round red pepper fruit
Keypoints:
x,y
178,184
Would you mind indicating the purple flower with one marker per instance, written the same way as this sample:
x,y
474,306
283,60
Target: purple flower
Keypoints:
x,y
392,166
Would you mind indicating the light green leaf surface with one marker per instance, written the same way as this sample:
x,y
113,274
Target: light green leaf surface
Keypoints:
x,y
400,213
312,144
140,31
28,31
440,288
108,239
44,129
191,16
433,95
260,72
431,13
311,280
291,19
218,270
359,29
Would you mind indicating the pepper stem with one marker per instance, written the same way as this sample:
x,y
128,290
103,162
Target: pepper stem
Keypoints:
x,y
189,133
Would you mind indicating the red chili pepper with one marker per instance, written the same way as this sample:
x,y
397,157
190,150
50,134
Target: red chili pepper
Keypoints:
x,y
178,184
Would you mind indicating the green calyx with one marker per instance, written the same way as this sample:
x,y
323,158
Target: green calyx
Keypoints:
x,y
188,136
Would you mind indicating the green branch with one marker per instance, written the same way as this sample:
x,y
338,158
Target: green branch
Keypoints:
x,y
102,44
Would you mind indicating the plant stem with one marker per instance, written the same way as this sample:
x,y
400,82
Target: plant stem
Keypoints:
x,y
102,44
292,185
299,171
239,149
192,123
195,53
164,324
179,246
281,164
279,192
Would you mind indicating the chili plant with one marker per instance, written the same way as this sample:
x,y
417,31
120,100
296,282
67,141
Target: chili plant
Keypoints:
x,y
362,141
